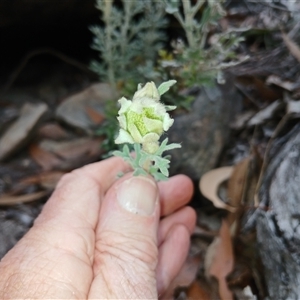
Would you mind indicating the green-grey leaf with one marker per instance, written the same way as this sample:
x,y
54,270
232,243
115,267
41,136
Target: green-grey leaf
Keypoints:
x,y
159,177
170,107
165,86
140,171
117,153
171,10
172,146
126,150
164,171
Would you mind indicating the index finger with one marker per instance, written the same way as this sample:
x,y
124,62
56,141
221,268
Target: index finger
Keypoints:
x,y
79,193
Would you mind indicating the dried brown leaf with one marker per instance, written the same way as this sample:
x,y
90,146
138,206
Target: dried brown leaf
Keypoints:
x,y
7,199
47,180
220,260
47,160
52,131
265,114
242,119
256,90
291,45
236,185
293,107
73,149
285,84
236,182
196,291
209,185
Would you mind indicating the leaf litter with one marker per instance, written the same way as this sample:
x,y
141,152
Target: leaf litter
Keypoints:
x,y
269,82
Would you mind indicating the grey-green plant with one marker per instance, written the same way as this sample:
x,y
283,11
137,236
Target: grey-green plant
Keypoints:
x,y
128,40
197,62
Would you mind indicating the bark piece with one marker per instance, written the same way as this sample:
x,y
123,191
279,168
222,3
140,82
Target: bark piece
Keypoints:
x,y
278,222
22,130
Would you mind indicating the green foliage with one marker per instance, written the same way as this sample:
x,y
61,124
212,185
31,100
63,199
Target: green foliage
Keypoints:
x,y
144,163
198,62
109,128
128,41
130,45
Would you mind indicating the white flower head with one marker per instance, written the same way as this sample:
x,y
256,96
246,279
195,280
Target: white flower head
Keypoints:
x,y
144,119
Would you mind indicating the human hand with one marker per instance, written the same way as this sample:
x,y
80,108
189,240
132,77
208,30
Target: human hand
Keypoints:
x,y
102,238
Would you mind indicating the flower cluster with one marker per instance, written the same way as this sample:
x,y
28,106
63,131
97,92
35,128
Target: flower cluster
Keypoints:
x,y
142,121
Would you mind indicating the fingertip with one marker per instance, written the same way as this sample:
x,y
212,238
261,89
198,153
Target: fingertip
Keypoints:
x,y
192,218
175,193
186,216
187,185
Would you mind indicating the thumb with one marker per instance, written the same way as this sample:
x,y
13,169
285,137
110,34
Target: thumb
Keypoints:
x,y
126,241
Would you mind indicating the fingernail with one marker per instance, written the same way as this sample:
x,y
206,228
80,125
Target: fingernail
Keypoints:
x,y
138,195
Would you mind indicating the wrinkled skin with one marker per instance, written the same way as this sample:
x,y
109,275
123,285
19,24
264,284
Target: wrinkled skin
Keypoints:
x,y
85,245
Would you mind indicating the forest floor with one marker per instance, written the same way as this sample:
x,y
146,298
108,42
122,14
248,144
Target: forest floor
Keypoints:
x,y
51,107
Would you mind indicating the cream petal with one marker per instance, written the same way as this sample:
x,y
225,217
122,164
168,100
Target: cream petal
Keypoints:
x,y
149,91
137,106
122,121
125,105
147,103
135,134
160,109
153,125
124,137
167,122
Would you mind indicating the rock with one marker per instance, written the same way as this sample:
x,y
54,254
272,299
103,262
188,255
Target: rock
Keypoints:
x,y
22,130
204,130
75,110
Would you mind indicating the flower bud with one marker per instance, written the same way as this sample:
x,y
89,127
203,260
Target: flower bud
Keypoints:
x,y
148,91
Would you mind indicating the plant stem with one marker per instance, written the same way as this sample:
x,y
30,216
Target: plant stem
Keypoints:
x,y
108,44
197,6
125,28
188,23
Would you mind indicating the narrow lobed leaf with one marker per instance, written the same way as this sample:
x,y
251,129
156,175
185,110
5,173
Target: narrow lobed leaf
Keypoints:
x,y
165,86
